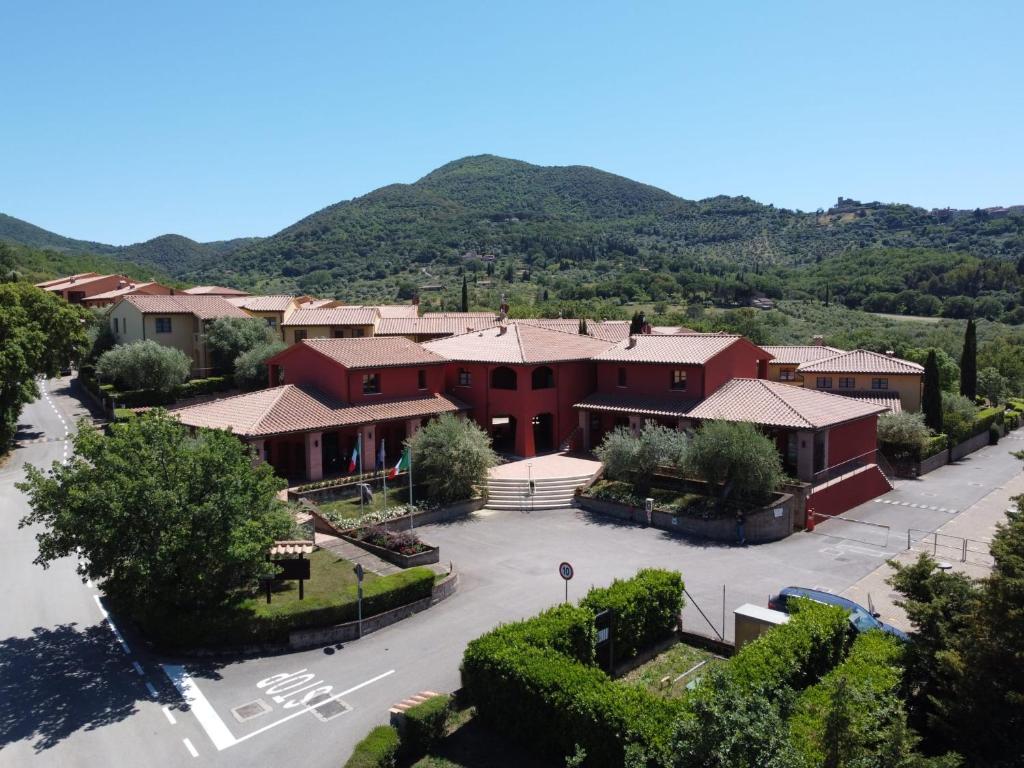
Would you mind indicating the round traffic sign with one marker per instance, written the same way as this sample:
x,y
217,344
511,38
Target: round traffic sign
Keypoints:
x,y
565,571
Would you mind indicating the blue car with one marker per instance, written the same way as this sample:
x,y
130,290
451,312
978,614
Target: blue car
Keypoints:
x,y
860,617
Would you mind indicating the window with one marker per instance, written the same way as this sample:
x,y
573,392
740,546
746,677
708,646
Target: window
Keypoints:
x,y
464,378
115,325
847,382
787,374
163,325
543,378
879,383
421,379
300,334
272,323
371,383
503,378
824,382
357,333
622,377
678,379
338,333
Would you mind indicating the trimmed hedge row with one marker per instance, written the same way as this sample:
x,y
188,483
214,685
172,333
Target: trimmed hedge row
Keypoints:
x,y
797,653
378,750
985,418
869,678
535,682
424,726
138,398
646,609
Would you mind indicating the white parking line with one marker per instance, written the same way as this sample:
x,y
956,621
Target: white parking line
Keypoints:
x,y
117,633
191,750
168,715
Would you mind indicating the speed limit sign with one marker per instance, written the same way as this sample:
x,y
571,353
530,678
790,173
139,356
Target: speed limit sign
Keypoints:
x,y
565,571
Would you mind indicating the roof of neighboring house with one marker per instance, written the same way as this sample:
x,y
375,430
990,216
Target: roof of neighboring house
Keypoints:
x,y
316,303
58,280
274,303
203,307
291,408
431,326
370,351
668,330
609,330
492,315
890,400
641,405
334,316
781,405
861,361
213,290
397,310
795,355
126,291
517,343
679,348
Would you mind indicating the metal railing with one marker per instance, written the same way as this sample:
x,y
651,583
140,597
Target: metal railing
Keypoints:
x,y
953,547
844,468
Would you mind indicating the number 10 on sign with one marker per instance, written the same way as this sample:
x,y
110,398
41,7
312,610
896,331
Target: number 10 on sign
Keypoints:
x,y
566,572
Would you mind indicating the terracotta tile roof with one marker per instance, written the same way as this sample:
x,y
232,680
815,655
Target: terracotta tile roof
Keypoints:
x,y
609,330
517,343
74,281
291,408
890,400
669,330
203,307
431,326
795,355
491,315
292,547
270,303
373,351
317,303
636,404
679,348
397,310
861,361
118,292
213,290
58,280
334,316
780,405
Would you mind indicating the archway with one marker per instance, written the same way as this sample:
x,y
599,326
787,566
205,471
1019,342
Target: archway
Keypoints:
x,y
543,377
543,433
503,378
503,433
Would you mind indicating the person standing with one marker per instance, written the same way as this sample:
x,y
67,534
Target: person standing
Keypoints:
x,y
741,536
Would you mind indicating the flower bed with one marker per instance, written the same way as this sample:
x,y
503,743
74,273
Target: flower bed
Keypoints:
x,y
401,548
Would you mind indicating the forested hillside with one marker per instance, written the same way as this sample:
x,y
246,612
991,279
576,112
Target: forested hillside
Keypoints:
x,y
551,237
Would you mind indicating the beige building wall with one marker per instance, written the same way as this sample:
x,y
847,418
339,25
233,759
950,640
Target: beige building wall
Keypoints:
x,y
775,373
908,386
129,325
327,332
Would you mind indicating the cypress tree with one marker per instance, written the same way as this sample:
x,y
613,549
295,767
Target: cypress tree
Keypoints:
x,y
931,401
636,325
583,327
969,362
465,295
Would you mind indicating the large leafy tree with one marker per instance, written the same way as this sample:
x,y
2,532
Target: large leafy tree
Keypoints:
x,y
39,335
931,399
229,337
969,362
161,519
451,456
736,457
144,365
251,365
635,458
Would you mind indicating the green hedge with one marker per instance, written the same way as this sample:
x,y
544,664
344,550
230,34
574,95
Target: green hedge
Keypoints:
x,y
378,750
205,386
870,677
645,608
985,418
529,680
797,653
934,445
1012,419
253,621
138,398
425,726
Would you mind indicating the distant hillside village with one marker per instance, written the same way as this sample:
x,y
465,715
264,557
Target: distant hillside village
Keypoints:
x,y
355,377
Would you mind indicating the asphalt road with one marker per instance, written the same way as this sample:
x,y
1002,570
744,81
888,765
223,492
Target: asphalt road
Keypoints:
x,y
69,693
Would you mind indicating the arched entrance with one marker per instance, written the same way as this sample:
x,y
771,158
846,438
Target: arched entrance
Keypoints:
x,y
503,433
543,433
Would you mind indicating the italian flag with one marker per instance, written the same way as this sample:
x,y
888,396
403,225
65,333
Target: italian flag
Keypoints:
x,y
403,463
354,461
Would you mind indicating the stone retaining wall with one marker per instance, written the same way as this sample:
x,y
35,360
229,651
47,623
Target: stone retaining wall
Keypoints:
x,y
970,445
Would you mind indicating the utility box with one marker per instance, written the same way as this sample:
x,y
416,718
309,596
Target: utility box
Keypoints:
x,y
752,621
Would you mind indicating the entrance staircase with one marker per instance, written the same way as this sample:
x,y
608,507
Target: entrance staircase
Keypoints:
x,y
548,492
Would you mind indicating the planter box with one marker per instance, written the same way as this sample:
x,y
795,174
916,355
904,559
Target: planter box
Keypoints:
x,y
763,524
432,555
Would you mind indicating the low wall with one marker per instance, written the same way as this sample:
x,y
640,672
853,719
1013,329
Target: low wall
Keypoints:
x,y
970,445
765,524
431,555
932,463
431,516
845,493
342,633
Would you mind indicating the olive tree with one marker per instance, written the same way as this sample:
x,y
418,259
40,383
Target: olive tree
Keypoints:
x,y
251,366
735,457
229,337
144,365
451,456
903,428
636,458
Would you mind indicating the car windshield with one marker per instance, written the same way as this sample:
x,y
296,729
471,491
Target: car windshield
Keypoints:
x,y
863,621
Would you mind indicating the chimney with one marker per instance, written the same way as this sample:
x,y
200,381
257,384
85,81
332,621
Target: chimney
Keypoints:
x,y
632,342
501,329
73,279
818,340
889,353
120,283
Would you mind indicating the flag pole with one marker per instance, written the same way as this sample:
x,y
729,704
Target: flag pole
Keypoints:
x,y
359,447
408,456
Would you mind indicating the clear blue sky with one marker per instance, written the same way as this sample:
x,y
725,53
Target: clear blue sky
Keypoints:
x,y
120,121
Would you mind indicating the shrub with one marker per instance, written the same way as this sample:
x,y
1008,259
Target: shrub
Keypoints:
x,y
635,458
737,457
903,429
986,418
451,457
229,337
645,608
402,542
958,414
251,366
993,385
933,445
205,386
144,365
425,726
566,628
378,750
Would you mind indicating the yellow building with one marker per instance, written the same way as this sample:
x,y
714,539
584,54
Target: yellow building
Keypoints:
x,y
865,374
274,310
336,322
785,360
173,321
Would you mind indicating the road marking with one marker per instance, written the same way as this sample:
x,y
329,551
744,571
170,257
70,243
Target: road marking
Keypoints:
x,y
117,633
151,689
138,669
191,750
167,713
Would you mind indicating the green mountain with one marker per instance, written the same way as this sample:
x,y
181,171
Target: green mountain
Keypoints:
x,y
543,235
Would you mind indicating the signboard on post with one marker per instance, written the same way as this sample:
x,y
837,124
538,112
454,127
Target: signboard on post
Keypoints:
x,y
358,570
649,509
566,572
605,647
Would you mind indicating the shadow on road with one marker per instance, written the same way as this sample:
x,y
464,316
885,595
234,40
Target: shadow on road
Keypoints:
x,y
61,680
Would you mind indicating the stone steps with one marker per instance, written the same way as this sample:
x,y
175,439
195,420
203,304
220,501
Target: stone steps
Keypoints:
x,y
548,492
397,712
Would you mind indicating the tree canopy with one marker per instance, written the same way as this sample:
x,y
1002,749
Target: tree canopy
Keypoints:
x,y
736,457
229,337
144,365
451,456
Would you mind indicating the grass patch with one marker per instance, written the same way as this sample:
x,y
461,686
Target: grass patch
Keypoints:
x,y
329,578
676,661
351,509
469,744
